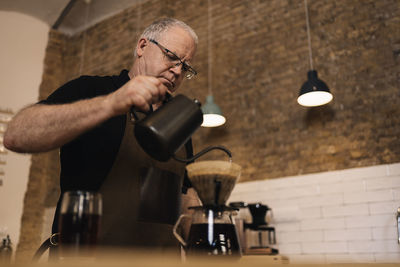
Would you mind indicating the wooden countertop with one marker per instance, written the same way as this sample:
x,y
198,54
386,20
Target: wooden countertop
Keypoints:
x,y
148,259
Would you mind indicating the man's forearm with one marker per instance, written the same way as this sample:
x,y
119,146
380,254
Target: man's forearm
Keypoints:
x,y
40,128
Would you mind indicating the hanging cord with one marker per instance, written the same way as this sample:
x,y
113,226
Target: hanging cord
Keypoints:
x,y
84,38
308,35
209,53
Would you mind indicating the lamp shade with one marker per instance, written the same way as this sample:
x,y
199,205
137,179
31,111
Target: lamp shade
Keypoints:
x,y
314,92
212,114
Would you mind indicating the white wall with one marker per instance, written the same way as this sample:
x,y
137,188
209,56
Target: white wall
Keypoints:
x,y
333,217
23,44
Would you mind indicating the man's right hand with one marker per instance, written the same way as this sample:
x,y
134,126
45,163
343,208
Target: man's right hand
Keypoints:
x,y
140,92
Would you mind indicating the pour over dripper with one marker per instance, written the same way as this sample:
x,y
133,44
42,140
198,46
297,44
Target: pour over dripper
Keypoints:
x,y
213,180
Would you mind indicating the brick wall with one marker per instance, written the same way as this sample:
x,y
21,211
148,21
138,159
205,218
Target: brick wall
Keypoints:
x,y
260,60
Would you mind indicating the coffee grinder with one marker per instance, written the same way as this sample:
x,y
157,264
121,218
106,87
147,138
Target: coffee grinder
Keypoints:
x,y
260,245
212,230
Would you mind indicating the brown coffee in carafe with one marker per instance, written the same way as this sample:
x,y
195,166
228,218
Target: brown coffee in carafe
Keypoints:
x,y
223,240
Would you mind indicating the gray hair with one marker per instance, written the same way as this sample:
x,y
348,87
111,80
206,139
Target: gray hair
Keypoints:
x,y
158,27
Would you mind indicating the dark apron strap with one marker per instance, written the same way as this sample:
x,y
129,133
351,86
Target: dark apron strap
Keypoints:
x,y
50,242
189,153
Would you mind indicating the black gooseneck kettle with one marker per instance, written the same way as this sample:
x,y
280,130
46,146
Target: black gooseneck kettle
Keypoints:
x,y
161,133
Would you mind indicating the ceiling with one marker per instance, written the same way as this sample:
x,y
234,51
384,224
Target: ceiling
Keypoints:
x,y
81,15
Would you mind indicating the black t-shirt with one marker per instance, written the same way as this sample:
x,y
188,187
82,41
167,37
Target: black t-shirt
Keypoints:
x,y
86,161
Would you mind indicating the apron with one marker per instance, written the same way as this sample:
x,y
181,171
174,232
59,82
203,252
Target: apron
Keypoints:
x,y
141,198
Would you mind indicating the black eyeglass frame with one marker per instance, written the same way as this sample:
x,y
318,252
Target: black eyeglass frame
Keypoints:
x,y
190,72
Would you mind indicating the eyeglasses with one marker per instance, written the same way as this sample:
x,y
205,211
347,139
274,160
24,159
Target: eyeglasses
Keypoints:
x,y
176,61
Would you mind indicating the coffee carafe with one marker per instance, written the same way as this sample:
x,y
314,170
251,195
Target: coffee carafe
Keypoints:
x,y
212,231
242,218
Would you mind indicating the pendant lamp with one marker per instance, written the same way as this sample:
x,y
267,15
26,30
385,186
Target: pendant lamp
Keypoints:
x,y
212,114
314,92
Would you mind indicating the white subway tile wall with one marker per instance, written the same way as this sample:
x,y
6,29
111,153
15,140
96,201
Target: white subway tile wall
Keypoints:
x,y
346,216
346,258
396,194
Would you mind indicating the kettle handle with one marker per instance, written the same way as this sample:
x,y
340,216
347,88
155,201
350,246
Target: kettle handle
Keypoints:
x,y
133,111
178,236
134,115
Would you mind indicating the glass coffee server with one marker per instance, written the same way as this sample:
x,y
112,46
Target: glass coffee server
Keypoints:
x,y
212,231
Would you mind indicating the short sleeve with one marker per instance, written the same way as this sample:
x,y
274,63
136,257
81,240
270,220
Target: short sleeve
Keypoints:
x,y
81,88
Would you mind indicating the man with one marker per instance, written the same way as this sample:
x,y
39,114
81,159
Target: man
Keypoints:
x,y
89,119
